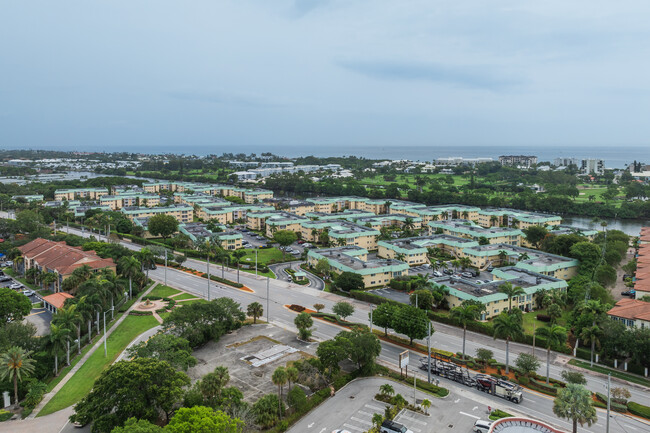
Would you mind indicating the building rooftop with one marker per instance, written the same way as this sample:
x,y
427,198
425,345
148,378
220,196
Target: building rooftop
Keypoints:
x,y
631,309
472,229
345,258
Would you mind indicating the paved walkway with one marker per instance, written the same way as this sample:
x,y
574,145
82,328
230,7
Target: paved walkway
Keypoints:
x,y
81,362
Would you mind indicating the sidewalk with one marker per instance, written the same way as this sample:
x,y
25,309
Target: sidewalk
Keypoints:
x,y
81,362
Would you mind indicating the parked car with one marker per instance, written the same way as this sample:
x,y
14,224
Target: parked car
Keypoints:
x,y
481,426
467,274
626,276
631,292
300,242
153,267
448,272
296,253
389,426
288,249
479,281
4,279
9,263
340,431
307,245
27,292
16,286
490,268
437,274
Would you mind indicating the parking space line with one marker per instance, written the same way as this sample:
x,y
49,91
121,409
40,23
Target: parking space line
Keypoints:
x,y
362,421
352,427
469,415
410,418
369,406
365,413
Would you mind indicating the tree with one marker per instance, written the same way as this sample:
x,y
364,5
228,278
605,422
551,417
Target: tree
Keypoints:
x,y
70,319
330,353
382,316
201,419
147,258
411,321
319,307
238,255
58,336
255,310
14,306
575,404
554,311
554,335
165,347
343,309
347,281
535,234
386,390
377,419
292,375
573,377
510,291
592,335
279,378
484,355
162,225
284,238
360,346
589,255
129,267
142,388
527,363
266,410
304,322
14,364
424,299
212,385
426,404
134,425
322,267
507,326
464,315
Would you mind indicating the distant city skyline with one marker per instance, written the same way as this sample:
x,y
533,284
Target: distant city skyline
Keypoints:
x,y
324,74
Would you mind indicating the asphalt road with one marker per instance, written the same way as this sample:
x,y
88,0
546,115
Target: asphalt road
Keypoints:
x,y
279,271
282,293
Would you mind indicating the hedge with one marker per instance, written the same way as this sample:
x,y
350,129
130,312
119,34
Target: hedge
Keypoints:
x,y
371,297
638,409
422,384
616,407
542,387
223,281
141,313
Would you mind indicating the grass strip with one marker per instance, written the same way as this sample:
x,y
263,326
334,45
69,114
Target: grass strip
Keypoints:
x,y
163,291
82,382
615,373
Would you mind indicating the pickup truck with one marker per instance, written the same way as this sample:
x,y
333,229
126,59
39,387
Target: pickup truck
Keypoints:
x,y
389,426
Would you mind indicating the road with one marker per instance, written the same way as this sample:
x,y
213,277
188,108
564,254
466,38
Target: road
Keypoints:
x,y
282,293
314,281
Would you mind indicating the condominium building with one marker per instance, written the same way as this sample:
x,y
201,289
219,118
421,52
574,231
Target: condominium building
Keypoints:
x,y
341,233
518,160
375,272
197,232
495,217
297,207
390,220
117,202
467,229
414,250
592,166
79,193
182,213
632,312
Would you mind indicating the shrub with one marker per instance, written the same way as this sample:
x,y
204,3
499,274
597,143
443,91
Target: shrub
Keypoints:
x,y
297,308
638,409
523,380
297,399
542,387
5,415
498,414
543,318
141,313
616,407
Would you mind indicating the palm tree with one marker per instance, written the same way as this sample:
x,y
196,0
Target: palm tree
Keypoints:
x,y
386,389
507,326
279,378
14,364
86,307
129,267
238,255
426,404
455,263
69,318
465,215
58,335
341,242
554,335
503,256
511,291
400,256
592,335
575,403
523,256
465,262
48,279
408,223
292,375
146,257
32,274
465,314
377,419
493,220
255,310
314,235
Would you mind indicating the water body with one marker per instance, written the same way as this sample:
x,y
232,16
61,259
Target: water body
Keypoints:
x,y
631,227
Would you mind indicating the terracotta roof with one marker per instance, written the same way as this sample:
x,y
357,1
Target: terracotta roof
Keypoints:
x,y
58,299
61,257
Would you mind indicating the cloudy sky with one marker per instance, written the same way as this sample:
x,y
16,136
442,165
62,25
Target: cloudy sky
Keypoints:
x,y
185,75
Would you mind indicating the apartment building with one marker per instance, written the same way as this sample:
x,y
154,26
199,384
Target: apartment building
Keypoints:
x,y
182,213
29,198
341,233
592,166
462,289
515,218
229,214
297,207
375,272
414,250
632,312
467,229
347,214
390,220
197,232
79,193
60,259
117,202
284,221
518,160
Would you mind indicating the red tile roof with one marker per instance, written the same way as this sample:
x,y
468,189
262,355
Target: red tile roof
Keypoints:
x,y
642,283
58,299
61,257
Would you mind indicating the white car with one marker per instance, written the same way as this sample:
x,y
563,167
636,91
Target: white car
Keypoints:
x,y
27,292
16,286
481,426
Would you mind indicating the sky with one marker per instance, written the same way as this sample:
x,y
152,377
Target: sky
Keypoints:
x,y
187,76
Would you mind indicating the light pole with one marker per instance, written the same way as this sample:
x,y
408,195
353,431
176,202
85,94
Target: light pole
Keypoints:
x,y
256,262
105,349
429,352
165,266
609,383
268,310
371,309
208,255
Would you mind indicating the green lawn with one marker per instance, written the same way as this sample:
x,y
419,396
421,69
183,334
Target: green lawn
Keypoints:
x,y
615,373
82,382
163,291
531,322
264,256
192,301
184,296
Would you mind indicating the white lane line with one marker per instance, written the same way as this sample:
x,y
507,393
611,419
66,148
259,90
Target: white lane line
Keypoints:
x,y
469,415
362,421
352,427
410,418
369,406
629,426
365,413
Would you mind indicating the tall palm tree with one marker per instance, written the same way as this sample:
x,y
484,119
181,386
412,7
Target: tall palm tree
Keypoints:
x,y
503,256
68,317
465,215
146,257
554,335
14,364
592,334
130,267
511,291
292,376
465,314
238,255
493,220
58,336
575,403
86,307
408,223
279,378
507,326
48,279
523,256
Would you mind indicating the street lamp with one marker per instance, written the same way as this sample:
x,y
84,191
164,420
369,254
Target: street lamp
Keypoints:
x,y
105,349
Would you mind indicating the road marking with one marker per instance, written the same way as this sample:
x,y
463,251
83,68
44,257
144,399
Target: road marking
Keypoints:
x,y
629,426
531,400
469,415
352,427
369,406
475,407
457,400
410,418
322,430
310,425
362,421
365,413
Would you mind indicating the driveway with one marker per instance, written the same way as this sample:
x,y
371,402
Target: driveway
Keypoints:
x,y
279,271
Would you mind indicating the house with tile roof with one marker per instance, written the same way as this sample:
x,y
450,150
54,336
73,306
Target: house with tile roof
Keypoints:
x,y
632,312
53,302
60,259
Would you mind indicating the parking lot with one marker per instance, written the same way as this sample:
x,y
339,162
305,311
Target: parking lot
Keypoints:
x,y
393,294
40,317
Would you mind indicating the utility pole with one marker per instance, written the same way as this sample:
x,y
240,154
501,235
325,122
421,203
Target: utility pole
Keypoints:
x,y
209,274
534,337
429,352
268,310
105,349
371,309
256,262
609,384
415,402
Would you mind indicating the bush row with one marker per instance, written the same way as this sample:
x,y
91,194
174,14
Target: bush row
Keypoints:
x,y
223,281
638,409
542,387
141,313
